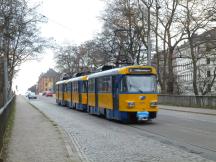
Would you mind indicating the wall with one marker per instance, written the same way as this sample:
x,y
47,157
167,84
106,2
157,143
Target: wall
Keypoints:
x,y
188,101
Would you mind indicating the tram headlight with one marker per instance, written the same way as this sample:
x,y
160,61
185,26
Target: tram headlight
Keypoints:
x,y
153,104
131,104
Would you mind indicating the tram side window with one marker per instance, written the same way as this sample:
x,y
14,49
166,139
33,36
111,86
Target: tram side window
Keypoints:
x,y
57,88
84,87
62,87
75,86
105,84
65,88
68,87
123,85
91,85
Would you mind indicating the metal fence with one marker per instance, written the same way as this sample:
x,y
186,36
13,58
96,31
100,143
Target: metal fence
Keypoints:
x,y
4,114
188,101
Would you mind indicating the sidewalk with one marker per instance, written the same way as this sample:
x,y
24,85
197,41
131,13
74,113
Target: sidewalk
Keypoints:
x,y
34,138
189,109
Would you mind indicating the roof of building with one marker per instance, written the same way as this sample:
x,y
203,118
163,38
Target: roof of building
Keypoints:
x,y
49,73
205,37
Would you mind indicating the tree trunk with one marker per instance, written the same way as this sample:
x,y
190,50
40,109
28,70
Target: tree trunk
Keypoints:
x,y
164,68
170,82
194,62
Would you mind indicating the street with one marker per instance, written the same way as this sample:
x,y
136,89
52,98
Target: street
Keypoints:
x,y
173,136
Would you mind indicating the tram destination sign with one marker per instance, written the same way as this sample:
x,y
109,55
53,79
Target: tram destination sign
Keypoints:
x,y
140,70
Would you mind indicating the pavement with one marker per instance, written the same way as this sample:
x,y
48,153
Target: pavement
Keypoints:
x,y
204,111
34,138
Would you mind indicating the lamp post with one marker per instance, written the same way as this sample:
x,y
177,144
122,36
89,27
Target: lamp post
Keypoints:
x,y
149,35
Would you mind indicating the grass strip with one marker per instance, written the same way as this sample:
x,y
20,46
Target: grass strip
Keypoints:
x,y
8,132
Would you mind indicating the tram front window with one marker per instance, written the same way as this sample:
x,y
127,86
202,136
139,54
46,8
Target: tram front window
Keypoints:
x,y
138,84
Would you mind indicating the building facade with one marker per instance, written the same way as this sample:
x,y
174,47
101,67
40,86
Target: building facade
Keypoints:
x,y
204,48
47,81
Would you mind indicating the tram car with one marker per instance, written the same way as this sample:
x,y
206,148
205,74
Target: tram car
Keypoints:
x,y
61,96
126,94
77,91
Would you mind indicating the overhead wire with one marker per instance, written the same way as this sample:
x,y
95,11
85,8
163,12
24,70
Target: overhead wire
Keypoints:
x,y
56,22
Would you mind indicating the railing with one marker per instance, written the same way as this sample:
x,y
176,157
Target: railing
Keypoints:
x,y
4,114
188,101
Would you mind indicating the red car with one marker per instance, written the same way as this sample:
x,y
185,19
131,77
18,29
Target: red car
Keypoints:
x,y
49,94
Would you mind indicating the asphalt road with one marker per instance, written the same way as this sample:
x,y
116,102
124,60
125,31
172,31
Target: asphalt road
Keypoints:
x,y
193,132
173,136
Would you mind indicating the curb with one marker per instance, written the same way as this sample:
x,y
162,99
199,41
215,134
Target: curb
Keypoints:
x,y
73,154
188,111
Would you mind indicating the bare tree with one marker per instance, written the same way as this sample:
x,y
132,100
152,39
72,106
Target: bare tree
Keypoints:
x,y
168,34
66,59
122,18
198,16
19,33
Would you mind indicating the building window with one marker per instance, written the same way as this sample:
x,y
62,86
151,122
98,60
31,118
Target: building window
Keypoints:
x,y
208,73
208,60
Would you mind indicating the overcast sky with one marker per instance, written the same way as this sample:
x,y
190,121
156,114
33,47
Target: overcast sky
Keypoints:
x,y
71,21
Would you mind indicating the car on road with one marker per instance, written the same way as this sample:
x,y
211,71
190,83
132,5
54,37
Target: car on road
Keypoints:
x,y
49,94
32,95
27,93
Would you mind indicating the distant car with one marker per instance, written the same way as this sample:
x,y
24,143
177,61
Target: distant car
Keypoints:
x,y
27,93
49,94
32,95
44,93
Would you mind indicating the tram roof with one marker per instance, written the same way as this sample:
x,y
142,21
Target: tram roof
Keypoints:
x,y
121,70
61,82
78,78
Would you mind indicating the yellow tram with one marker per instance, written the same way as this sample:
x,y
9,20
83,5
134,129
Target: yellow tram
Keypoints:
x,y
126,94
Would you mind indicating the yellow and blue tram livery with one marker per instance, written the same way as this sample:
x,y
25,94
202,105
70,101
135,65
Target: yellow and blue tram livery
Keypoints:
x,y
61,95
77,90
126,94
